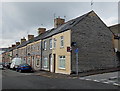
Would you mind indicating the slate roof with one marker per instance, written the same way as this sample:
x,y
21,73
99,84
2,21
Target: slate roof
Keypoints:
x,y
66,26
51,32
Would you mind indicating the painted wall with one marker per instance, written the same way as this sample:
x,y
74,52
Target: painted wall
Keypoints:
x,y
58,51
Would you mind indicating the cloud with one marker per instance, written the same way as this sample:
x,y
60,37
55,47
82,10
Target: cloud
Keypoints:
x,y
111,20
22,18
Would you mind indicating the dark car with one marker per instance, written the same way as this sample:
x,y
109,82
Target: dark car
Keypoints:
x,y
24,67
7,65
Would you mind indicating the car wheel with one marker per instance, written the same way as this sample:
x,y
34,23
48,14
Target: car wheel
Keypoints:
x,y
20,71
17,70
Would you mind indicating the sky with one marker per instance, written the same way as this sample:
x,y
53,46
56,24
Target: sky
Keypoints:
x,y
22,18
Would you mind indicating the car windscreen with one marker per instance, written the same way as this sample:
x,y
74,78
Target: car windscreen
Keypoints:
x,y
24,65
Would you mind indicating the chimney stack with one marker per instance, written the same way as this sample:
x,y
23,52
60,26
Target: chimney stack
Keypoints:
x,y
58,22
41,30
17,43
9,48
30,37
23,40
13,45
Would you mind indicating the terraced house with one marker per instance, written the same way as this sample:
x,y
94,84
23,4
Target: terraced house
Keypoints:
x,y
116,31
55,50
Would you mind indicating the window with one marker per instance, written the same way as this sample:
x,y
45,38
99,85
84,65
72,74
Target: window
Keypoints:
x,y
54,43
37,61
62,62
45,64
61,41
45,45
29,61
50,43
38,46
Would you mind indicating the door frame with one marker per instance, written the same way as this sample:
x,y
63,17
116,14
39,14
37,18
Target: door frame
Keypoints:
x,y
54,64
50,63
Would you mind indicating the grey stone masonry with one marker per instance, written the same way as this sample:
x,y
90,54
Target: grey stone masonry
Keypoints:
x,y
46,53
95,44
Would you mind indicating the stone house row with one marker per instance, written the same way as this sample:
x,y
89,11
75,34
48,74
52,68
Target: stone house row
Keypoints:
x,y
55,50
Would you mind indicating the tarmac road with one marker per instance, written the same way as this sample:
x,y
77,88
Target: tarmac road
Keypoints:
x,y
15,80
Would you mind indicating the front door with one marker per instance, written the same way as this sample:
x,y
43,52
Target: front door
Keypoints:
x,y
54,60
33,62
51,63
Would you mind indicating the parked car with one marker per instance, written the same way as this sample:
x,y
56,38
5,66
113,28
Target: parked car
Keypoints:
x,y
15,63
7,65
1,66
24,67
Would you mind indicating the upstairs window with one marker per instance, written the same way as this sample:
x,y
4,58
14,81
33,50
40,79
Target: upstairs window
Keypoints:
x,y
50,43
61,41
45,45
54,43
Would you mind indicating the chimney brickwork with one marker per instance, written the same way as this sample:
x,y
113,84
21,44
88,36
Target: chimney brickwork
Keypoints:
x,y
30,37
58,22
17,43
23,40
41,30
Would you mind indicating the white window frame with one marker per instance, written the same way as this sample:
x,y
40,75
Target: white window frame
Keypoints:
x,y
45,64
61,41
29,61
45,45
54,43
62,58
37,63
50,43
38,47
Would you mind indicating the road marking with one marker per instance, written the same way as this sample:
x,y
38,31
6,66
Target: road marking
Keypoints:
x,y
96,80
105,82
111,78
116,84
88,79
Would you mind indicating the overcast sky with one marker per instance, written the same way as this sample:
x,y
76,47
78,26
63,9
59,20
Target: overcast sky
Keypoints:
x,y
22,18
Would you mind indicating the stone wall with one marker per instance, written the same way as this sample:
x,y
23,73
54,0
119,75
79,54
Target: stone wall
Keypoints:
x,y
94,41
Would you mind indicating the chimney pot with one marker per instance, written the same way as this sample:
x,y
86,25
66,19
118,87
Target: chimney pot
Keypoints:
x,y
58,22
17,43
41,30
13,45
23,40
30,37
9,47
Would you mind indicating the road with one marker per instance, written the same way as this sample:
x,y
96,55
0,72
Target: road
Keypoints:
x,y
15,80
108,78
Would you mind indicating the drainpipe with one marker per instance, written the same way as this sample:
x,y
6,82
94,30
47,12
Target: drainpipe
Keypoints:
x,y
41,54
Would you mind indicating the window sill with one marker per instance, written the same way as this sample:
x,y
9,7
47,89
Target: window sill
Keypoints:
x,y
45,67
61,47
61,68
